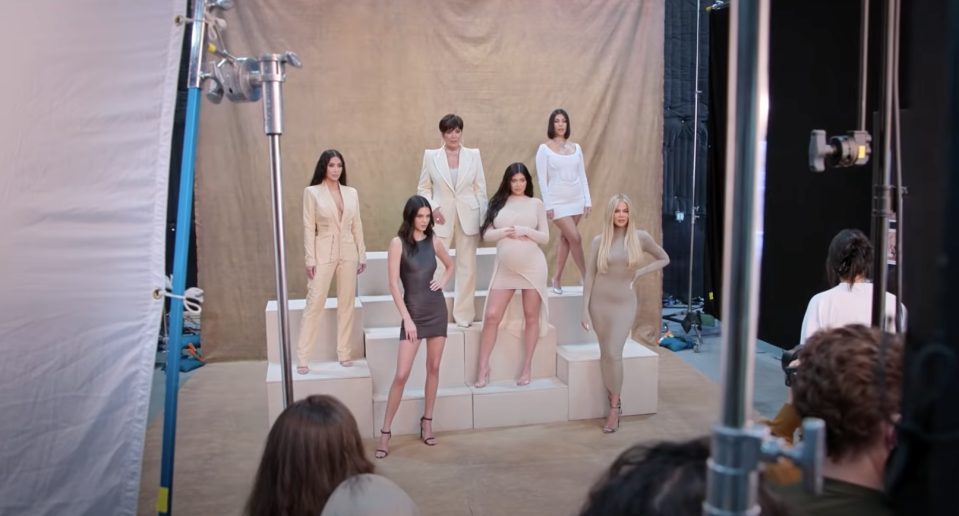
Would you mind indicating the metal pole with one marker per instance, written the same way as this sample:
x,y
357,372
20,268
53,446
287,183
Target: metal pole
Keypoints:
x,y
733,468
272,77
863,63
882,171
692,197
181,252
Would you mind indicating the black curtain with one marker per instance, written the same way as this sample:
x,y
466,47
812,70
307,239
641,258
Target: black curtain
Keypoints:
x,y
716,162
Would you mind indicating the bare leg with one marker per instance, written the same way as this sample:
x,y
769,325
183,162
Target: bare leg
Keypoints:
x,y
562,251
404,362
496,305
532,303
434,355
567,228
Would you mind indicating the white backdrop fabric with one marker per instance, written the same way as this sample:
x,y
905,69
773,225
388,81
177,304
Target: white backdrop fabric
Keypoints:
x,y
87,107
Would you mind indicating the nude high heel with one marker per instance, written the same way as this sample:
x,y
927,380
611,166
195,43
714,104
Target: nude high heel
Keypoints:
x,y
619,407
556,289
482,382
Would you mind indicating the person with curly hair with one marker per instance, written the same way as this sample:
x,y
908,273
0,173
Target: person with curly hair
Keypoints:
x,y
851,378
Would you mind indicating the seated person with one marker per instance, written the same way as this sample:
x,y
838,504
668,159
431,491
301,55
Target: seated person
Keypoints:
x,y
849,301
666,479
838,381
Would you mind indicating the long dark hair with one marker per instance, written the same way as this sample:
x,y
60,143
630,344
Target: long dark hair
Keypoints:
x,y
413,205
551,131
319,175
498,200
663,479
850,256
313,447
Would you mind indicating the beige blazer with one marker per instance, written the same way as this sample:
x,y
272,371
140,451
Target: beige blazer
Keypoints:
x,y
327,237
466,199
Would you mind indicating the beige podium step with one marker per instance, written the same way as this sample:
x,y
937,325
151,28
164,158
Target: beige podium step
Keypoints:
x,y
382,345
506,361
503,403
375,279
578,365
453,411
566,314
324,347
351,385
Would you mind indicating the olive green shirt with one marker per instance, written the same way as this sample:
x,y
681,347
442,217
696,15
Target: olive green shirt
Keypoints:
x,y
838,498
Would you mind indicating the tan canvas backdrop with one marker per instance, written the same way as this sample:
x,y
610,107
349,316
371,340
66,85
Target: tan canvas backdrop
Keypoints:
x,y
377,76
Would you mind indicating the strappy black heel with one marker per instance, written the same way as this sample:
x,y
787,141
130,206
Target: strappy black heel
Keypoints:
x,y
429,441
384,452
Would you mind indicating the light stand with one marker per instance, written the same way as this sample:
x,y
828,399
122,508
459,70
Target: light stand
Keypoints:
x,y
245,79
738,448
691,319
241,80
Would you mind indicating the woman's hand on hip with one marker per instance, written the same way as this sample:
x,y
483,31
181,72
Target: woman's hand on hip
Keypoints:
x,y
549,214
360,268
437,285
311,271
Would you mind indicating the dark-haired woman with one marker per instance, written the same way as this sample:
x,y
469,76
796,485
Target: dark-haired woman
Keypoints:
x,y
850,300
561,173
314,465
516,221
333,240
412,259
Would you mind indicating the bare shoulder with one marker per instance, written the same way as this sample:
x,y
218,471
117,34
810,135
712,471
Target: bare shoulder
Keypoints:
x,y
396,243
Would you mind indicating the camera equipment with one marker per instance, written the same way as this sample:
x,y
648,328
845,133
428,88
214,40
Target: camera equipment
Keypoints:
x,y
841,151
790,370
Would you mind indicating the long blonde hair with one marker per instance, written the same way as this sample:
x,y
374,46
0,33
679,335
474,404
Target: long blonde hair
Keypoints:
x,y
634,250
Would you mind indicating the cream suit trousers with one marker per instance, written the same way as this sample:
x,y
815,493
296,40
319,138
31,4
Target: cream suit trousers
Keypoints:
x,y
464,307
317,292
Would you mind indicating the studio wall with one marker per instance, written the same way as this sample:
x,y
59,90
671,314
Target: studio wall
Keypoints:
x,y
377,78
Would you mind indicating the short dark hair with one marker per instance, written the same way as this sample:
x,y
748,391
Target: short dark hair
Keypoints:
x,y
551,131
850,256
450,122
313,447
665,479
838,381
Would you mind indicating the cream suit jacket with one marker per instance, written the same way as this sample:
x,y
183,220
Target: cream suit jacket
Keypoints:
x,y
328,238
466,199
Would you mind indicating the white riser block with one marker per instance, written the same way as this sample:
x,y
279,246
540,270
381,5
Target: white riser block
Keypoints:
x,y
382,346
324,347
506,361
350,385
566,314
578,365
453,411
499,404
375,279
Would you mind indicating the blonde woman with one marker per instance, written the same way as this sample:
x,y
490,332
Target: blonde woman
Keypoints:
x,y
609,302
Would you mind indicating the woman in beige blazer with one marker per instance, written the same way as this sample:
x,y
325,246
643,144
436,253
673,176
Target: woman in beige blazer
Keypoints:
x,y
333,238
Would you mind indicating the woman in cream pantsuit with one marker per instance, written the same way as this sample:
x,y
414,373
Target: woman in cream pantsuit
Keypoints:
x,y
609,301
333,238
453,181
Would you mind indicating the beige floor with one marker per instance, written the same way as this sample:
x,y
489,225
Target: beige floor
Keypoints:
x,y
534,470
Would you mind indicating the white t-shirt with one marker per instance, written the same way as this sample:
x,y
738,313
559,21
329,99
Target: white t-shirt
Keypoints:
x,y
841,306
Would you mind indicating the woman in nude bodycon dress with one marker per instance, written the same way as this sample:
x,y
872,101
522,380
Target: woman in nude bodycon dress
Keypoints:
x,y
412,259
516,221
609,301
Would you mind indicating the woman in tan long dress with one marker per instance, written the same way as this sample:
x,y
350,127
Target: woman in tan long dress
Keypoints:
x,y
516,221
609,301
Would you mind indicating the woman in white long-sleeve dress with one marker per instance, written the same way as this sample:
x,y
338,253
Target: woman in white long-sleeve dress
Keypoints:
x,y
561,173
